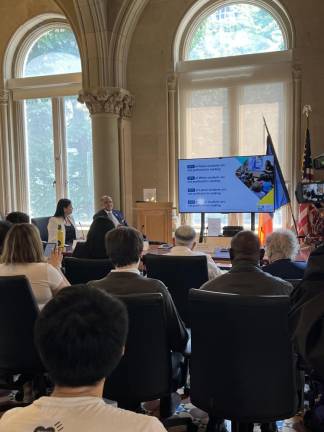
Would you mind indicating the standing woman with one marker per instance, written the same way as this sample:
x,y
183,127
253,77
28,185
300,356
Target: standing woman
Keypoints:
x,y
63,216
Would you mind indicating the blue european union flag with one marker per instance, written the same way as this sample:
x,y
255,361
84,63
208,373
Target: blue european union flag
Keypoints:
x,y
281,195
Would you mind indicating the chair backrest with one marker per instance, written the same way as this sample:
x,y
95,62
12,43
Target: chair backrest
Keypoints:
x,y
81,270
18,312
242,361
41,223
144,372
179,274
294,282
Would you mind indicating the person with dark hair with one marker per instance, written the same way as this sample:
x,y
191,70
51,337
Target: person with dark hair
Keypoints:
x,y
18,217
63,217
108,211
4,228
124,247
307,328
310,289
95,247
80,336
246,276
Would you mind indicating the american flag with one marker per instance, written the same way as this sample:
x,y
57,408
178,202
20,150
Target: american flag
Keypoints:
x,y
306,211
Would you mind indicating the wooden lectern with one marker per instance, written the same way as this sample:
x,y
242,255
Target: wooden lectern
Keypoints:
x,y
154,219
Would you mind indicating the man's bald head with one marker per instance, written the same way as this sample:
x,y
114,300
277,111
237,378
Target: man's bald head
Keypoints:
x,y
245,245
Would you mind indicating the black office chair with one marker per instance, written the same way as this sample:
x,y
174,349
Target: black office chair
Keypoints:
x,y
81,270
145,373
179,274
242,364
18,312
41,223
294,282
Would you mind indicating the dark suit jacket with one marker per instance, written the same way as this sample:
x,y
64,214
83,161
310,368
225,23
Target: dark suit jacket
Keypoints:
x,y
286,269
81,250
123,283
117,213
248,279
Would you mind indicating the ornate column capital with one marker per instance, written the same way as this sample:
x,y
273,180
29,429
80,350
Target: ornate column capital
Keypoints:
x,y
4,96
110,100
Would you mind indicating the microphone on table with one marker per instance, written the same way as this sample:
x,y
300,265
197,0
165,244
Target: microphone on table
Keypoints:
x,y
83,236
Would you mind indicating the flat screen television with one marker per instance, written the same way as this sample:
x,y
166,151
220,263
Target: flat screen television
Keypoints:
x,y
238,184
312,192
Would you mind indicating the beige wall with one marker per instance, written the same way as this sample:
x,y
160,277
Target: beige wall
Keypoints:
x,y
150,60
14,13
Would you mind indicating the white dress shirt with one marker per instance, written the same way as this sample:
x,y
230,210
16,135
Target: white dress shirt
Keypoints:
x,y
213,270
113,218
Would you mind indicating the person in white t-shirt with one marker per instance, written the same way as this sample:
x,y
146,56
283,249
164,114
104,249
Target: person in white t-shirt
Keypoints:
x,y
184,244
80,335
23,255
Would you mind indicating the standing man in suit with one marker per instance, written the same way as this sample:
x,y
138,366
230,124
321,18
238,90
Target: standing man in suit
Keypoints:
x,y
116,216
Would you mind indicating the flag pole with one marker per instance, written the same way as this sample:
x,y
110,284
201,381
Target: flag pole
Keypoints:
x,y
289,204
293,218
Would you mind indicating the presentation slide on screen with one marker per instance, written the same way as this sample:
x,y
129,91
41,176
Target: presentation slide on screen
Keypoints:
x,y
240,184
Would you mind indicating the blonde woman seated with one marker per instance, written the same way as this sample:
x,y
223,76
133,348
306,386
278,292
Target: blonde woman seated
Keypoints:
x,y
23,255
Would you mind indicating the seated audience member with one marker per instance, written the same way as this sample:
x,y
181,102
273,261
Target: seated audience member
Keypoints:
x,y
80,335
17,217
281,249
108,211
23,255
310,287
124,247
4,228
184,243
306,323
246,276
63,217
94,247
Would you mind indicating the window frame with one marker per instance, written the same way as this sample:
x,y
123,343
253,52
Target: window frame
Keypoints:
x,y
202,8
254,67
54,87
214,6
30,39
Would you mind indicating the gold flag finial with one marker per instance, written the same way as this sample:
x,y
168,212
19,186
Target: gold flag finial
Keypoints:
x,y
307,110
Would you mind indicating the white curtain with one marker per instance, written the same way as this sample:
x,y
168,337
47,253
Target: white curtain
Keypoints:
x,y
224,117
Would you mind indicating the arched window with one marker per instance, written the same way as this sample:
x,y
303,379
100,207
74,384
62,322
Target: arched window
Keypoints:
x,y
235,29
54,52
233,60
53,135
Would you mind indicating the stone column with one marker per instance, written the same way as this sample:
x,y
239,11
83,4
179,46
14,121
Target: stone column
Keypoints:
x,y
107,106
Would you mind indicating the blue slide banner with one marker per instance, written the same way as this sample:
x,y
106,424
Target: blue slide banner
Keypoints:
x,y
240,184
